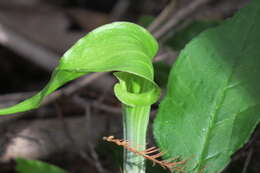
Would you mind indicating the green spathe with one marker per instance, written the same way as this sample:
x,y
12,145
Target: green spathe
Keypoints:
x,y
119,46
213,97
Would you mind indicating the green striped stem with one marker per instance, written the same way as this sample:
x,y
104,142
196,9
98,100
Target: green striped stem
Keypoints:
x,y
135,122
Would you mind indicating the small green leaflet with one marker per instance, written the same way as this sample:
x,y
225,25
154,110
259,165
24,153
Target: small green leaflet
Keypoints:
x,y
121,46
212,103
36,166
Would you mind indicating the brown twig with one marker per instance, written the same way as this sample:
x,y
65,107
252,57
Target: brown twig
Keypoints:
x,y
90,145
81,152
178,17
101,106
14,97
119,10
51,137
164,54
151,154
73,88
248,159
30,50
163,16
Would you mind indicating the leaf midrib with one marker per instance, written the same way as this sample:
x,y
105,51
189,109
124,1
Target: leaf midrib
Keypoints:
x,y
222,97
212,121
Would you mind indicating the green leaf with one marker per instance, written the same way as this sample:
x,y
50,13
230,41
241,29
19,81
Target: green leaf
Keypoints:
x,y
119,46
33,166
146,20
213,98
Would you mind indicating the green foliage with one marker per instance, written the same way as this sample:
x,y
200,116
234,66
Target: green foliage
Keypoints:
x,y
161,72
36,166
183,36
119,46
146,20
213,97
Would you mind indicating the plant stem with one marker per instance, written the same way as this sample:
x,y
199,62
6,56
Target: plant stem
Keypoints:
x,y
135,122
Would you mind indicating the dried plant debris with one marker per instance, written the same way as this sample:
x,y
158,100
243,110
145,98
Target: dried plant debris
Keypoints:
x,y
153,154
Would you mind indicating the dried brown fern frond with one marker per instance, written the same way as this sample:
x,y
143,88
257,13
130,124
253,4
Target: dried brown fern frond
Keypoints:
x,y
151,154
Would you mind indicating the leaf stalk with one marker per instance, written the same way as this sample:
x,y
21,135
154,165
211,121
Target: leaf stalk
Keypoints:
x,y
135,123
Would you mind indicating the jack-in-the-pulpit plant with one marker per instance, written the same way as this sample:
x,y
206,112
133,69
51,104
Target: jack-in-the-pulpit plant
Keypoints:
x,y
127,49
